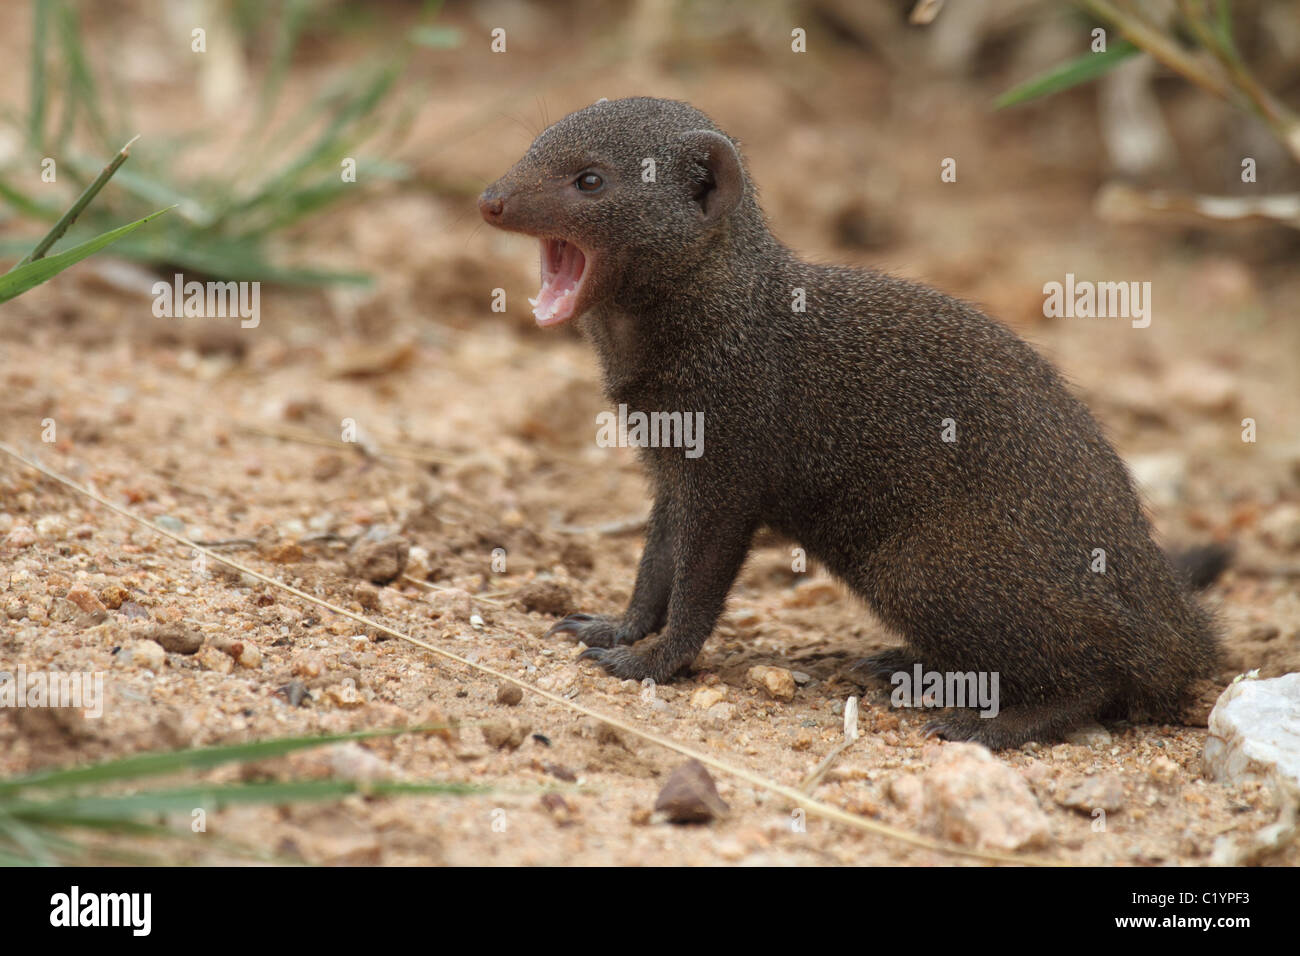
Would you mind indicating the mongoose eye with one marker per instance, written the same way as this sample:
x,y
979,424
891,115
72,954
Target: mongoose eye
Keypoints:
x,y
589,183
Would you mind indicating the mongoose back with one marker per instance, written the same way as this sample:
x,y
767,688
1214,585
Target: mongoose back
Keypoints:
x,y
921,451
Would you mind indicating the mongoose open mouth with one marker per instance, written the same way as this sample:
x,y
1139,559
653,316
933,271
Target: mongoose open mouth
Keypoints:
x,y
564,267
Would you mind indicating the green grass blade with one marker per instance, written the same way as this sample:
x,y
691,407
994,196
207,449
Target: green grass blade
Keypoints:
x,y
37,93
36,810
31,842
437,37
81,81
1223,31
19,280
76,209
292,18
108,811
153,191
1079,70
240,259
330,146
157,764
222,225
328,190
28,206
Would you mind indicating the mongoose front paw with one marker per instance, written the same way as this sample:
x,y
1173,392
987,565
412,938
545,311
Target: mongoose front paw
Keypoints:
x,y
594,630
623,662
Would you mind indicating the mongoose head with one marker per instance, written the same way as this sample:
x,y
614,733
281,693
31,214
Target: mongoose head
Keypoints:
x,y
622,188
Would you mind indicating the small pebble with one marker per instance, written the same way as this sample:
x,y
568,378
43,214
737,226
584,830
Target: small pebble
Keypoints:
x,y
175,638
344,695
86,601
777,681
21,537
367,596
211,659
706,697
504,733
1094,793
690,796
52,527
562,811
114,596
295,692
546,596
144,654
287,552
62,610
134,611
452,603
379,562
1281,527
1089,735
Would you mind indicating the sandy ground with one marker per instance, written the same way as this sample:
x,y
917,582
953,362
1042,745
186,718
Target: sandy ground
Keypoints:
x,y
169,418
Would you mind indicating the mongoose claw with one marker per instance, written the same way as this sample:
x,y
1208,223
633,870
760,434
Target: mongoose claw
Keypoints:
x,y
594,630
570,623
994,733
937,728
957,725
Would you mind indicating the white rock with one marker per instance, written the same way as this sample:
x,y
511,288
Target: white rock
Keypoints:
x,y
851,718
1255,731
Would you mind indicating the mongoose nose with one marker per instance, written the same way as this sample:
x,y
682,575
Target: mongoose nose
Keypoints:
x,y
490,206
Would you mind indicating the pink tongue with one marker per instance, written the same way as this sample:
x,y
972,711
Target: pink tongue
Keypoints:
x,y
562,267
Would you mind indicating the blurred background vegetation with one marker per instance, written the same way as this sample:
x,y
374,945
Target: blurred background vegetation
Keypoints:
x,y
1182,93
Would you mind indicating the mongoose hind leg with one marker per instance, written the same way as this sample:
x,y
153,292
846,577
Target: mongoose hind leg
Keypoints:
x,y
1018,724
886,664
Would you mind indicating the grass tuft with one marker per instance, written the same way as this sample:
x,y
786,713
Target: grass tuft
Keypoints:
x,y
39,811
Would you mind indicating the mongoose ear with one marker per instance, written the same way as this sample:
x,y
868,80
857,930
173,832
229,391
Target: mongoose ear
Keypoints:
x,y
724,180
